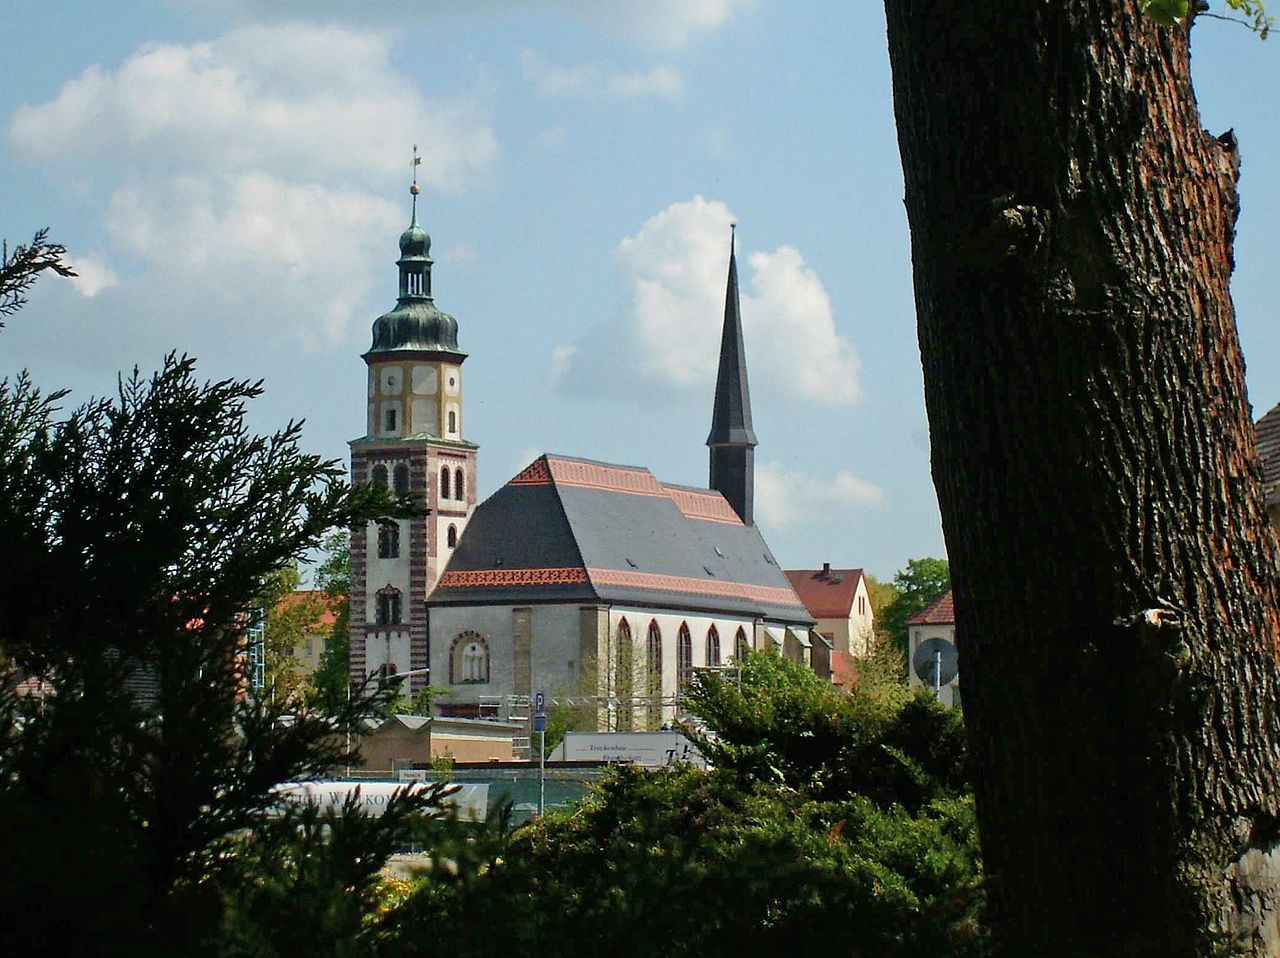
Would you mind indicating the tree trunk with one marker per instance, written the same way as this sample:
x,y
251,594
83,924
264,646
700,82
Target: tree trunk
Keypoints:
x,y
1116,583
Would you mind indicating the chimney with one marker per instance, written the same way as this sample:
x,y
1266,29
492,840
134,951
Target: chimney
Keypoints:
x,y
826,570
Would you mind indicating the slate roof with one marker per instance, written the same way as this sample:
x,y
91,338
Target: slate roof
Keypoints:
x,y
942,612
827,593
731,414
575,530
1269,449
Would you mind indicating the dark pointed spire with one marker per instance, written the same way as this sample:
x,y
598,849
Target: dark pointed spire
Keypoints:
x,y
732,440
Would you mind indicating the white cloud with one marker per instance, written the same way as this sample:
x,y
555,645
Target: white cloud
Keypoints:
x,y
664,24
306,102
524,458
671,274
309,255
92,276
786,497
596,80
257,174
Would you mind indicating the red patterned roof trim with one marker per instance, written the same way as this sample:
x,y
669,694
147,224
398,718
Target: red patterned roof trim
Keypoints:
x,y
485,578
773,595
534,474
517,577
703,505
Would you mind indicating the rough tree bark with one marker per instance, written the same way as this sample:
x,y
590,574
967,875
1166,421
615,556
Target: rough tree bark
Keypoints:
x,y
1117,586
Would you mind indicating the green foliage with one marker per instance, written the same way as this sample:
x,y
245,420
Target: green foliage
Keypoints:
x,y
141,533
289,615
781,723
333,576
1173,12
442,766
312,882
680,862
1260,22
1167,12
562,719
832,823
20,267
918,586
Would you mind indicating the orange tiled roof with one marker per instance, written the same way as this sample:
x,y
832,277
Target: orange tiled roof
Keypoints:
x,y
942,612
844,669
826,593
326,618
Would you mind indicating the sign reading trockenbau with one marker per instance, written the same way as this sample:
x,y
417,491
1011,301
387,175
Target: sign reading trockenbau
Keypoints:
x,y
651,749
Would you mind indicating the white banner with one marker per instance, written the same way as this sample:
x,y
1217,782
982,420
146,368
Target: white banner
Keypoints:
x,y
470,801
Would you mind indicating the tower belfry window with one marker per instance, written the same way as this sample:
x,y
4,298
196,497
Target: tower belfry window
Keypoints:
x,y
457,484
444,482
389,540
453,422
391,420
388,608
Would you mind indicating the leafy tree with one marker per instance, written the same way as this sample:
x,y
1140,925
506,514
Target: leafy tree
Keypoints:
x,y
141,532
312,882
333,576
289,615
833,823
1116,581
915,588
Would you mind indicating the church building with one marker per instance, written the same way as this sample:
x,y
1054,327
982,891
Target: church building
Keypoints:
x,y
588,581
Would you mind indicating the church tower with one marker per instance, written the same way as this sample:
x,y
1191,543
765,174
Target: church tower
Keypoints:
x,y
732,440
413,443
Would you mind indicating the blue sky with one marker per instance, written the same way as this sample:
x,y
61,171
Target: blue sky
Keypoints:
x,y
231,178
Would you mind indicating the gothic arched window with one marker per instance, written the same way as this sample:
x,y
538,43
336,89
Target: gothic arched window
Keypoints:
x,y
469,659
452,536
389,540
713,647
402,480
380,475
457,484
624,684
684,659
444,482
740,644
653,671
388,606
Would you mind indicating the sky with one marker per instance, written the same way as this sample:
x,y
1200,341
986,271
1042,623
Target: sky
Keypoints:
x,y
230,178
